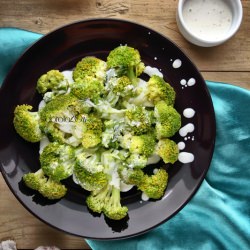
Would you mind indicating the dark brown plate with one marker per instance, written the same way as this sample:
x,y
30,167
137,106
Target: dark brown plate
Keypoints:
x,y
61,49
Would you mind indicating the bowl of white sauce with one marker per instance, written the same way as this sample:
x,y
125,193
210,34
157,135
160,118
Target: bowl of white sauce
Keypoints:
x,y
209,23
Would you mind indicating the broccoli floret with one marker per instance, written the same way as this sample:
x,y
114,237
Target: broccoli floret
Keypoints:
x,y
88,180
90,67
137,161
112,207
57,119
131,176
90,161
46,186
139,119
52,80
57,161
118,88
155,90
168,150
90,88
112,131
35,180
53,190
106,111
97,199
154,185
168,120
139,144
126,61
89,130
26,123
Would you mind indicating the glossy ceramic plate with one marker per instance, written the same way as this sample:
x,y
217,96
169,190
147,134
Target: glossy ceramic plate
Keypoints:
x,y
61,49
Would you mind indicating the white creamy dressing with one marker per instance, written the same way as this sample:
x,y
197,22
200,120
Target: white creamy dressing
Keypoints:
x,y
191,82
144,197
188,128
185,157
177,63
183,82
208,19
188,113
152,71
181,145
68,75
43,143
125,187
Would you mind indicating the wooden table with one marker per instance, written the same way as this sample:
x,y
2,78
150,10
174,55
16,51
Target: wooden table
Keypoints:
x,y
229,62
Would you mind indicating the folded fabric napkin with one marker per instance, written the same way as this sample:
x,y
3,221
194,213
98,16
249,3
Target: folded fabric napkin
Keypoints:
x,y
218,216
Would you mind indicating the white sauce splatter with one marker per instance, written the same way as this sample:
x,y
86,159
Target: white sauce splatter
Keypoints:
x,y
183,82
68,75
177,63
155,170
125,187
189,128
186,157
191,82
188,113
144,197
152,71
181,145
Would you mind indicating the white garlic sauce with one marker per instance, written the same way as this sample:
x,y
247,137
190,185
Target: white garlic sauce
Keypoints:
x,y
125,187
185,157
181,145
150,71
144,197
188,128
191,82
207,19
188,113
177,63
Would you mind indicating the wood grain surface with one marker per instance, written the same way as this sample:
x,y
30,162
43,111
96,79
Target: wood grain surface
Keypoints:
x,y
229,63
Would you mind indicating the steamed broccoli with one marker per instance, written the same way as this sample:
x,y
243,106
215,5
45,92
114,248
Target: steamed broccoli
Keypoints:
x,y
35,180
46,186
168,120
57,161
89,180
155,90
97,199
137,161
139,119
154,185
57,119
112,207
90,88
90,67
106,111
53,80
91,161
118,88
140,144
131,176
27,123
168,150
53,190
102,124
113,130
107,200
126,61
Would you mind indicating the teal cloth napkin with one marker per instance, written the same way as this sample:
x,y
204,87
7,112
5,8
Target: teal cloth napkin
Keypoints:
x,y
218,216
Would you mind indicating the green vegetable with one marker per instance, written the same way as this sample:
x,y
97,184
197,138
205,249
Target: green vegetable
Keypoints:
x,y
101,125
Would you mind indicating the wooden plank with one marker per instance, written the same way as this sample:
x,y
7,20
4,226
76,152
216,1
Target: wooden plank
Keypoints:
x,y
43,16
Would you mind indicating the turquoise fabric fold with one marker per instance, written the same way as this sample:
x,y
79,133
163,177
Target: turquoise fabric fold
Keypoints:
x,y
218,216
